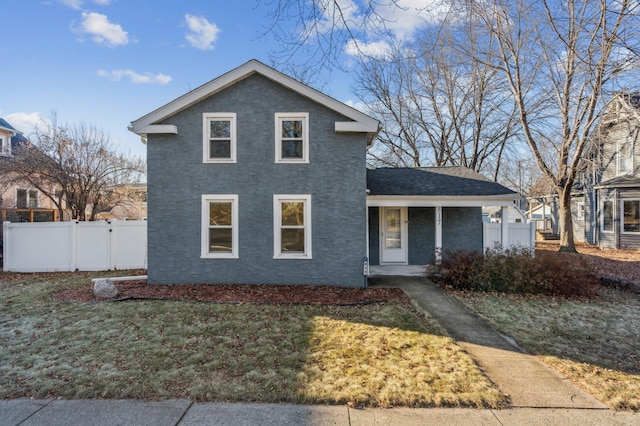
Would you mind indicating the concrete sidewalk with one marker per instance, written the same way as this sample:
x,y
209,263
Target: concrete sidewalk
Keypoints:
x,y
526,380
183,412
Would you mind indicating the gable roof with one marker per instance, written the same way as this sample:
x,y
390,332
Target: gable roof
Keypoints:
x,y
17,138
432,181
361,123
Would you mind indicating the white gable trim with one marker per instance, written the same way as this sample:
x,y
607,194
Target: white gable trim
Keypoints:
x,y
362,122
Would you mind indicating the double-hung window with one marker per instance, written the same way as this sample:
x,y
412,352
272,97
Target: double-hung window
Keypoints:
x,y
292,226
219,137
292,137
27,198
631,216
220,226
606,216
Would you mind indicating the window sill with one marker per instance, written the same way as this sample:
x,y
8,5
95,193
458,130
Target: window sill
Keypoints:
x,y
292,256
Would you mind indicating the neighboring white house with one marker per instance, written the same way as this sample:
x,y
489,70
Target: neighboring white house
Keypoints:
x,y
494,215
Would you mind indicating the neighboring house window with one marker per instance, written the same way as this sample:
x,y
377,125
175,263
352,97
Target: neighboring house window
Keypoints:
x,y
624,156
292,226
580,211
27,198
630,215
219,137
292,137
4,147
607,216
220,226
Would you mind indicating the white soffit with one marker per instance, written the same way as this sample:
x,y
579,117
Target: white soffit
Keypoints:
x,y
361,123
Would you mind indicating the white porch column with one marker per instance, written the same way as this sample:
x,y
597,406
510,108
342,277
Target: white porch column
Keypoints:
x,y
438,252
504,222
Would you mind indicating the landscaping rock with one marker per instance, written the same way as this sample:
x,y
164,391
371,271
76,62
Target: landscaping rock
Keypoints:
x,y
105,289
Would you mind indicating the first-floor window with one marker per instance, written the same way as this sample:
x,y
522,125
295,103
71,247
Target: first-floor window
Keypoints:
x,y
292,226
630,215
607,216
220,226
580,211
27,199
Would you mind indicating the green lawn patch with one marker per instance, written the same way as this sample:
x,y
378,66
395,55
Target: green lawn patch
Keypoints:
x,y
381,354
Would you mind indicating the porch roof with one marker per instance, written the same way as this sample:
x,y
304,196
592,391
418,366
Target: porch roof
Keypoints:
x,y
620,182
430,186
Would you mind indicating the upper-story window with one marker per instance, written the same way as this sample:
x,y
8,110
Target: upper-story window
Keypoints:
x,y
27,198
292,137
624,156
219,137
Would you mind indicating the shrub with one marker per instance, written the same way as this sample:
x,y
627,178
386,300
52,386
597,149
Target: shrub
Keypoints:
x,y
518,270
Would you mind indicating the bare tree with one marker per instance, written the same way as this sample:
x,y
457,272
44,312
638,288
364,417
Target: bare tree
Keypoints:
x,y
77,164
437,106
560,60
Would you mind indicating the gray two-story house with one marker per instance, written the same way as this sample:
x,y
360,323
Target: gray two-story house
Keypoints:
x,y
606,209
256,178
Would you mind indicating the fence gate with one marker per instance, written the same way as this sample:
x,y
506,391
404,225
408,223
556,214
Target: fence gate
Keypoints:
x,y
71,246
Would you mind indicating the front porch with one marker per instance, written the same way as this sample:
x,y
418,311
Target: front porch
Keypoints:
x,y
397,270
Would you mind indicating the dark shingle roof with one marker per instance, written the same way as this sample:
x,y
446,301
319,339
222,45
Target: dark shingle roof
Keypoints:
x,y
432,181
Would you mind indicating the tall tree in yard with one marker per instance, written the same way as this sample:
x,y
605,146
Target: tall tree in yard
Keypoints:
x,y
562,61
437,107
79,162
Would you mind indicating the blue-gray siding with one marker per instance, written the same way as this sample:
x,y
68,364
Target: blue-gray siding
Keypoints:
x,y
461,230
335,178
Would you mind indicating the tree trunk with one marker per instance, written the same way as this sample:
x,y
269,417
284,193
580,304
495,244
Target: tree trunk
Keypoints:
x,y
565,222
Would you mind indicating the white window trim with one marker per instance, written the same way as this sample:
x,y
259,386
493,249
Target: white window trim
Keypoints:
x,y
4,147
278,199
580,212
206,118
204,237
613,209
281,116
28,190
620,159
622,200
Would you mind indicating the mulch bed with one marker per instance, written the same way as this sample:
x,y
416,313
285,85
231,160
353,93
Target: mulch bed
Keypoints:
x,y
268,294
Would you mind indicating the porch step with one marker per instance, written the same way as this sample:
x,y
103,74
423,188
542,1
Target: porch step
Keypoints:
x,y
546,236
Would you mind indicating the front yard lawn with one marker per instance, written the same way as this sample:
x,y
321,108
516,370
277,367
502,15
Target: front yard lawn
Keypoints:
x,y
595,343
381,354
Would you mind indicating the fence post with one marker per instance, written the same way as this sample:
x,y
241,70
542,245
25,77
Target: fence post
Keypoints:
x,y
5,245
504,228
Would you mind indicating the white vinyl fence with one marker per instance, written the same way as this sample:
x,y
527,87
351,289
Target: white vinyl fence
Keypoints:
x,y
518,234
74,246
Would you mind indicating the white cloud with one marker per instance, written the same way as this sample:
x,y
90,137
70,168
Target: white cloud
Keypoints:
x,y
375,49
360,106
202,33
404,17
103,31
134,77
24,122
77,4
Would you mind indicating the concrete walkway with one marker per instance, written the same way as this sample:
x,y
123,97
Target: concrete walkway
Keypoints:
x,y
525,379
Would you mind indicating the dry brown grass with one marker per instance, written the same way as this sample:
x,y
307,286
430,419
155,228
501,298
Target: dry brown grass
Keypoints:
x,y
595,343
380,354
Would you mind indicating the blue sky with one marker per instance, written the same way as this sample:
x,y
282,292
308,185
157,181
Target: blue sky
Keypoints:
x,y
108,62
